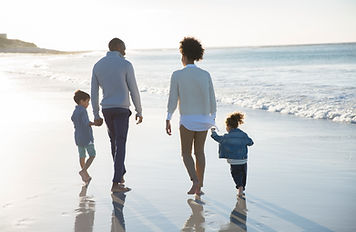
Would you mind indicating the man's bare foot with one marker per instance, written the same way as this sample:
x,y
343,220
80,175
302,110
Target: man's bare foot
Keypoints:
x,y
193,190
240,191
116,187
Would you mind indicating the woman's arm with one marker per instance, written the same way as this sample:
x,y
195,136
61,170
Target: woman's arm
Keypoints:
x,y
173,96
212,97
172,103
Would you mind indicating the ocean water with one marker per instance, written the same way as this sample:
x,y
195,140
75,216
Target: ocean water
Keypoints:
x,y
312,81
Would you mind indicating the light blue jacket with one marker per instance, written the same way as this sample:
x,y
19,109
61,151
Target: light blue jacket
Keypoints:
x,y
116,77
233,145
83,133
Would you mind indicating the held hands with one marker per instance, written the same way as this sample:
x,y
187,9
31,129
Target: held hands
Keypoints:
x,y
168,127
140,119
98,122
213,129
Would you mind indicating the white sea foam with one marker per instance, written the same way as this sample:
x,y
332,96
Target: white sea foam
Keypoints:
x,y
322,86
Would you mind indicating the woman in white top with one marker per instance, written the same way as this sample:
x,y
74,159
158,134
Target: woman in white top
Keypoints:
x,y
193,89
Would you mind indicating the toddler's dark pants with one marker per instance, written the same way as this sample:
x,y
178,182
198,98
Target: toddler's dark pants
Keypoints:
x,y
239,174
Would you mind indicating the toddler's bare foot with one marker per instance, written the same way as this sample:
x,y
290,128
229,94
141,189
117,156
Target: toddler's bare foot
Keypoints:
x,y
193,190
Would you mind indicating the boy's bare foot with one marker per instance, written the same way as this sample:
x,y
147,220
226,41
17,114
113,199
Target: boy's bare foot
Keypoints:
x,y
122,180
87,181
84,175
116,187
194,187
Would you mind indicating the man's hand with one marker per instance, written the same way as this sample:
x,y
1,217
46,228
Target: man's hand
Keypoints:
x,y
168,127
98,122
140,119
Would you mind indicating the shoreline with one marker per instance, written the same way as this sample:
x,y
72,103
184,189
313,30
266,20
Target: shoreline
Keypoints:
x,y
37,51
291,164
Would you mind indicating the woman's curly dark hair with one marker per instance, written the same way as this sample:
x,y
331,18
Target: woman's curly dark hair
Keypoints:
x,y
234,120
191,48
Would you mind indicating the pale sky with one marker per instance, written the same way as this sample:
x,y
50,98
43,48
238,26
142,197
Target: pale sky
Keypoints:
x,y
90,24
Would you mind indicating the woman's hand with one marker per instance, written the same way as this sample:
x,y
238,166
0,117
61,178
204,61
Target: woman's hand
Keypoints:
x,y
168,127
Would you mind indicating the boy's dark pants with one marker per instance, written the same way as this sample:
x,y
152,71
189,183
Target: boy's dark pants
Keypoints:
x,y
117,121
239,174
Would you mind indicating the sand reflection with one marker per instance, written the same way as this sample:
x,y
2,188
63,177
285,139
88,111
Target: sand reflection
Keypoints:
x,y
238,217
117,220
84,220
196,221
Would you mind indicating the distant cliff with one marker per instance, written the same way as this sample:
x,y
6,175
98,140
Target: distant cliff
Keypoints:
x,y
19,46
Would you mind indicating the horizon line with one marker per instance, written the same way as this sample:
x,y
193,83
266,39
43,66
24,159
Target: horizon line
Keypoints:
x,y
225,47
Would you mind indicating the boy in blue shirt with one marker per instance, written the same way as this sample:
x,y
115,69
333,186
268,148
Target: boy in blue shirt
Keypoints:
x,y
83,133
233,147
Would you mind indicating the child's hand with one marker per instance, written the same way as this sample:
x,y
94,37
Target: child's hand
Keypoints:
x,y
212,129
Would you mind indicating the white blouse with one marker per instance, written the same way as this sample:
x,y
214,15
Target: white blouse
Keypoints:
x,y
195,122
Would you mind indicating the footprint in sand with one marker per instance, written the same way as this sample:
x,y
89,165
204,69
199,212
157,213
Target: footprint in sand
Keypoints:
x,y
7,205
24,222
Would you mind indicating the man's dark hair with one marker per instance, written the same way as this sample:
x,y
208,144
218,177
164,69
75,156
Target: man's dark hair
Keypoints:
x,y
80,95
115,43
191,48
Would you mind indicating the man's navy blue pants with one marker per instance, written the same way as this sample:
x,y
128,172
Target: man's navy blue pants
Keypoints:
x,y
117,122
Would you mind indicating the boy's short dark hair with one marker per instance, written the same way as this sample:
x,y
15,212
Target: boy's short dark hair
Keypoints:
x,y
115,43
80,95
234,120
191,48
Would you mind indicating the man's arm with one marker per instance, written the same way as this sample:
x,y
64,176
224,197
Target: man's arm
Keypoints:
x,y
95,95
134,92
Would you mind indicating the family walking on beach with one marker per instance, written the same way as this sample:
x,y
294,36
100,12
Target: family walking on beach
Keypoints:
x,y
191,87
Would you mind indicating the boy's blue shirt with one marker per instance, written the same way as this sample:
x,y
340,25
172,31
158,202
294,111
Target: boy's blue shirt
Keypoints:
x,y
233,145
83,133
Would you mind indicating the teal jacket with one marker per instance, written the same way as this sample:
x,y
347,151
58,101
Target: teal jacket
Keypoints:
x,y
233,145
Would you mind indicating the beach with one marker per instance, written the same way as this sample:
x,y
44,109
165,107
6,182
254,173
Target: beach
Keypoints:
x,y
301,170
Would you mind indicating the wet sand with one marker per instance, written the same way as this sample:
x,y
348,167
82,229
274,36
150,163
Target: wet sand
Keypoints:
x,y
301,172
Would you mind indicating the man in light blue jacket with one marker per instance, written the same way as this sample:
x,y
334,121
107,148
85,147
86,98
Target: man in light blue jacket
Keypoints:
x,y
115,76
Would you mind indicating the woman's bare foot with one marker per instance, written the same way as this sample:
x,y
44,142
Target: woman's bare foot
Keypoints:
x,y
193,190
199,193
